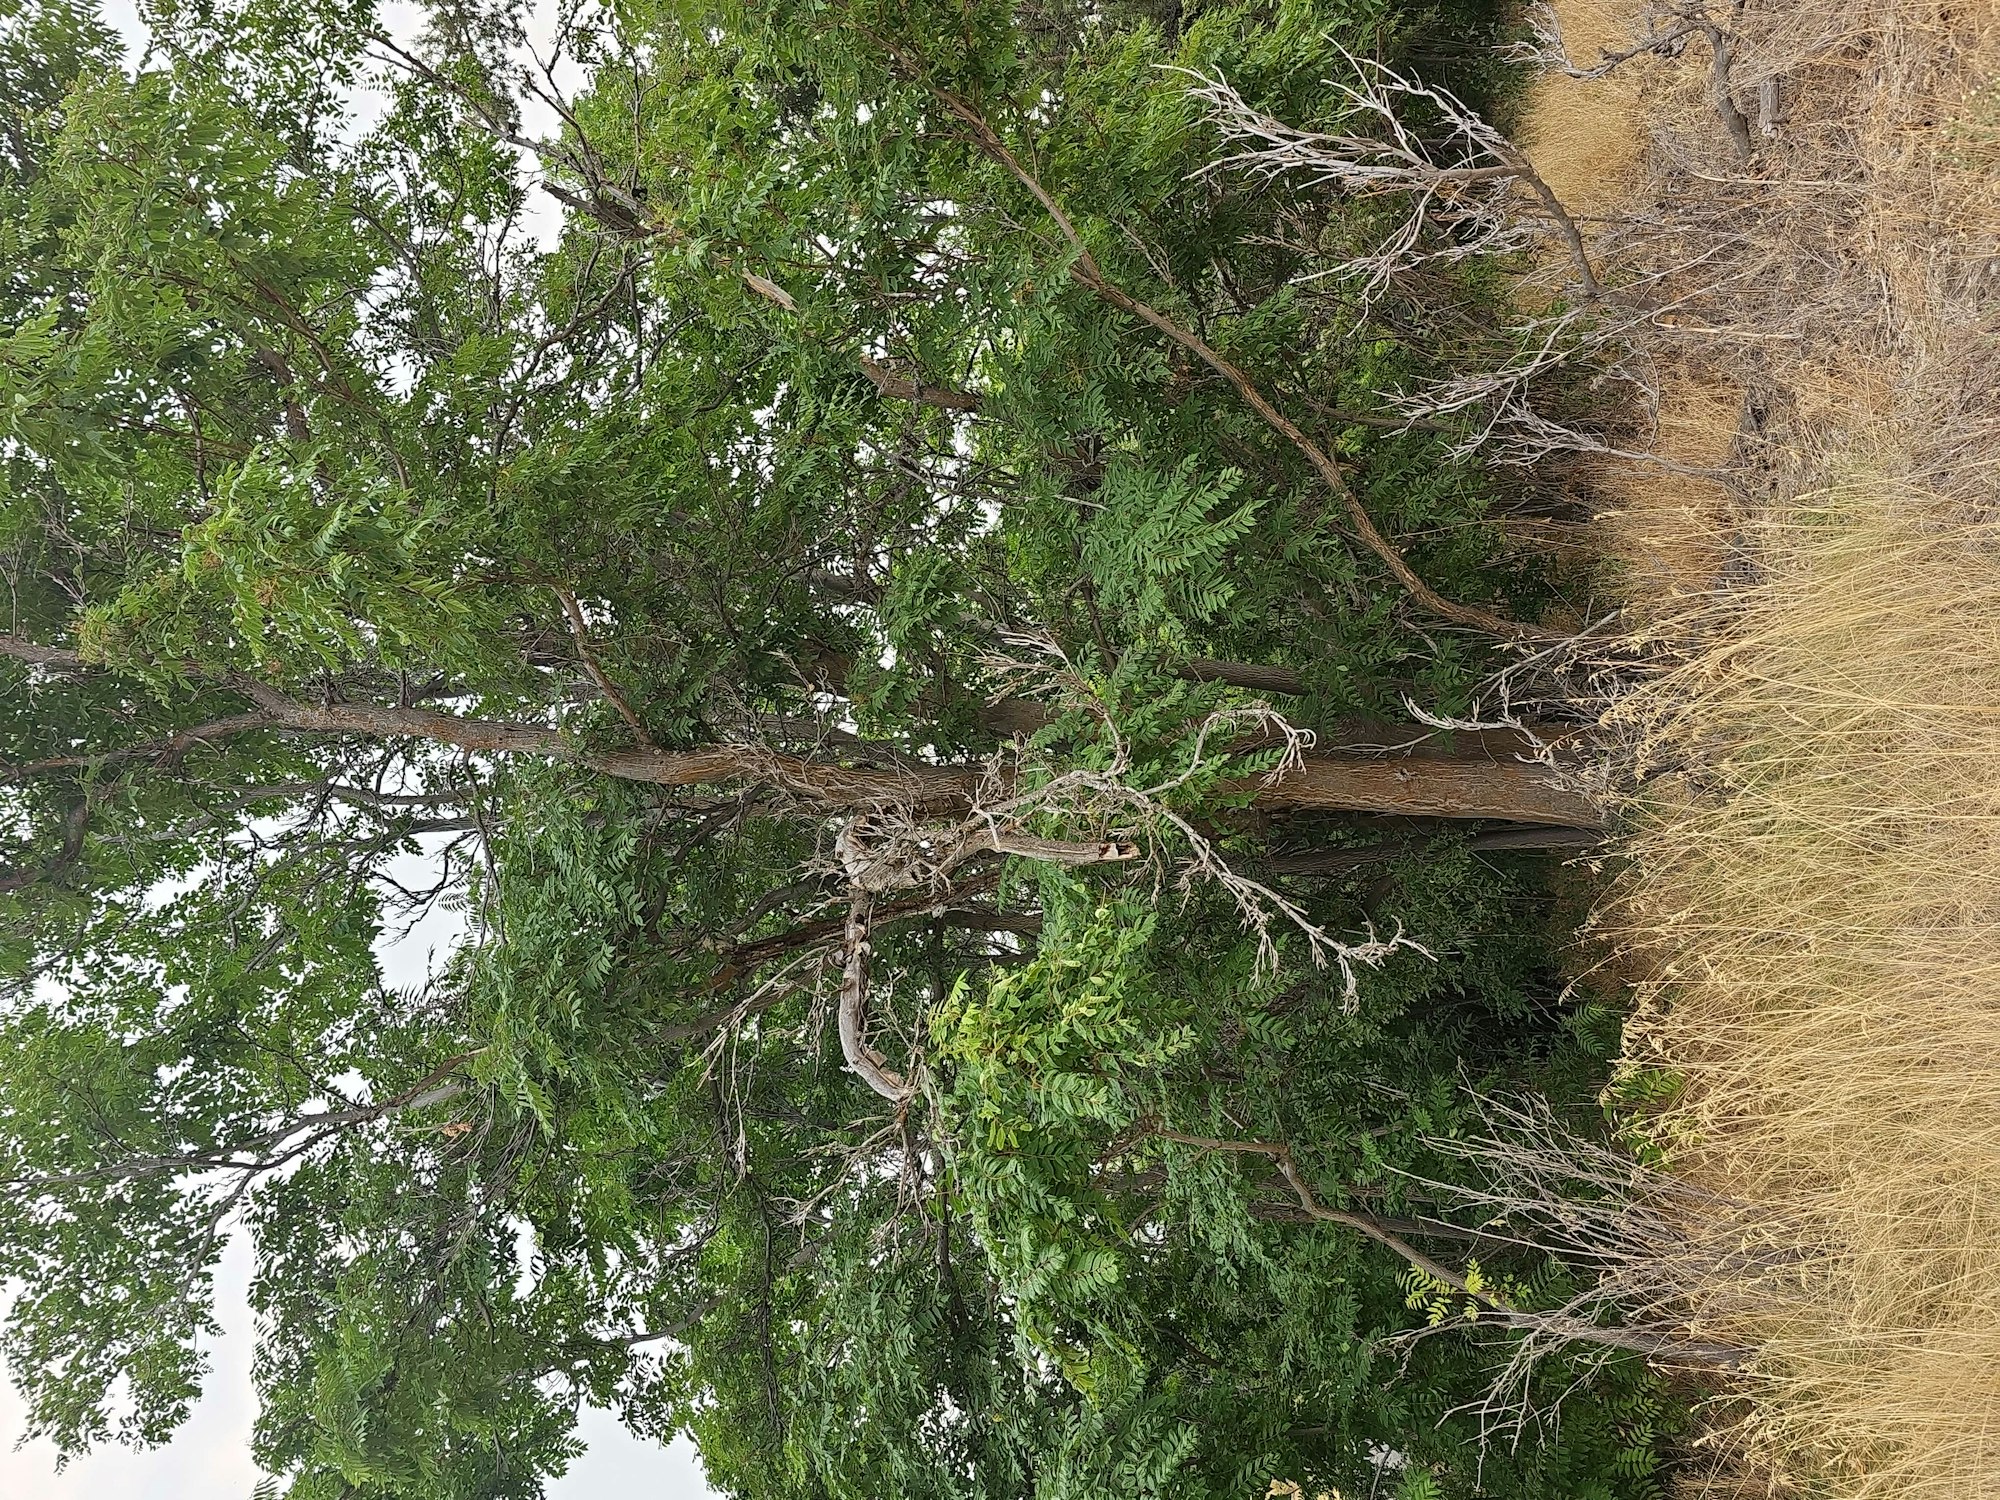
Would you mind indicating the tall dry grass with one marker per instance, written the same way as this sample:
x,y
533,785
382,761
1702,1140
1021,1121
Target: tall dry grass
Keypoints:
x,y
1811,892
1815,885
1588,138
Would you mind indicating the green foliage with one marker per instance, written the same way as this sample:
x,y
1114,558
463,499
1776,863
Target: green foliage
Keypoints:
x,y
802,421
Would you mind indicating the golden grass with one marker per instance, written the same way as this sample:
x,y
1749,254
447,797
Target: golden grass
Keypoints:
x,y
1812,882
1588,140
1818,890
1666,525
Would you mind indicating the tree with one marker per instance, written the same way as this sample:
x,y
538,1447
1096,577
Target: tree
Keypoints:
x,y
812,622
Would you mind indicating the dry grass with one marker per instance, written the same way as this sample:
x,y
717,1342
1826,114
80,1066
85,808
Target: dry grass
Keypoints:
x,y
1588,139
1817,881
1813,884
1667,528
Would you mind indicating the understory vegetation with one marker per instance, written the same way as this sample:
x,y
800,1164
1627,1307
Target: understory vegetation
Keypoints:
x,y
939,600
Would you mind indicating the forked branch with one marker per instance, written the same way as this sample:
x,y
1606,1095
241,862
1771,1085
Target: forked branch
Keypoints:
x,y
1492,1303
1470,185
1085,270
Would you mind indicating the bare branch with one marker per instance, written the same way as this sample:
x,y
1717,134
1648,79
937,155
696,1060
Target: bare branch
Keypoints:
x,y
1560,1324
899,388
1473,193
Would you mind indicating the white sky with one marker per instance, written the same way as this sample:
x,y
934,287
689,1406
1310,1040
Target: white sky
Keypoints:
x,y
209,1457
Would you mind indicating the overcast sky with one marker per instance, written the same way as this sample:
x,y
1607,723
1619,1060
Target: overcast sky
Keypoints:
x,y
209,1458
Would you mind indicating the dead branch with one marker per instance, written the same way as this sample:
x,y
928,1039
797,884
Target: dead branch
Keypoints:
x,y
1722,50
1548,49
1472,193
1560,1324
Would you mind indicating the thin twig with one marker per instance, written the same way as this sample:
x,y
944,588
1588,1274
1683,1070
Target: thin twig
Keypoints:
x,y
580,629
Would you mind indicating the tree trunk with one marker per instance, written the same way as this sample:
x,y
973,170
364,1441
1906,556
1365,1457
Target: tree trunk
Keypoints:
x,y
1463,786
1480,784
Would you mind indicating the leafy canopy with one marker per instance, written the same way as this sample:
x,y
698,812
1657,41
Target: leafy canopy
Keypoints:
x,y
616,602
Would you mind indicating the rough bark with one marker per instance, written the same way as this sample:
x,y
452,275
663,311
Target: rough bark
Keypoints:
x,y
1245,675
900,388
1428,787
1458,787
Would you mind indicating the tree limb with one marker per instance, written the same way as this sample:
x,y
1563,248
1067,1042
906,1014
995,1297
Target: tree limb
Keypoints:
x,y
1509,790
74,824
580,629
53,658
162,752
269,1149
898,388
1084,269
1556,1324
870,1066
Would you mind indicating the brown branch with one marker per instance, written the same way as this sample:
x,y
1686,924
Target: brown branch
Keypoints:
x,y
250,1156
1246,675
1085,270
1559,1325
854,929
1425,787
1058,851
54,658
743,957
1559,215
74,826
917,786
679,1326
580,629
1454,787
1722,52
897,388
976,919
161,752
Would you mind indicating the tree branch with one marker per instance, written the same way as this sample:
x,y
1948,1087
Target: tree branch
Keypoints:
x,y
54,658
74,824
269,1149
1558,1325
870,1066
1085,270
162,752
897,388
1473,787
580,629
743,957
